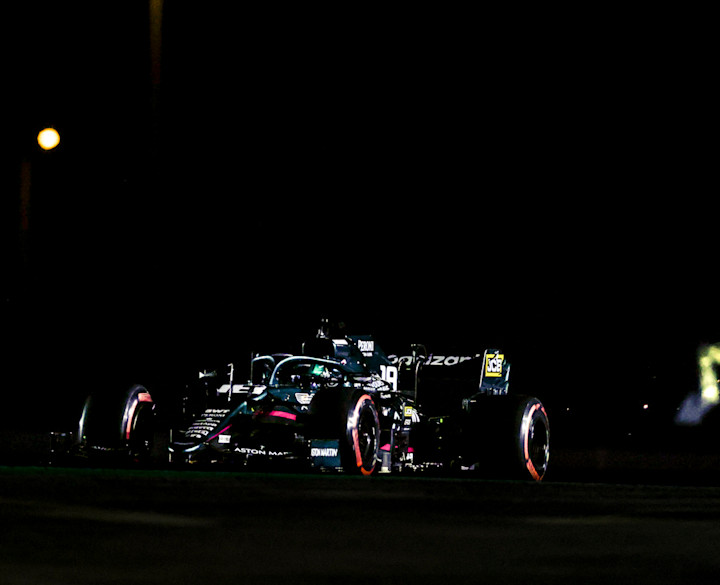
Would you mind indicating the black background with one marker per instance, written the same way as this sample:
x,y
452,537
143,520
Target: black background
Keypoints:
x,y
537,182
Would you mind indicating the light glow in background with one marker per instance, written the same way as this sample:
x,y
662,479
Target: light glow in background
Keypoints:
x,y
697,404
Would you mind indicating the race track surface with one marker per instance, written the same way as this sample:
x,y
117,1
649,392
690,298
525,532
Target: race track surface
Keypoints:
x,y
96,527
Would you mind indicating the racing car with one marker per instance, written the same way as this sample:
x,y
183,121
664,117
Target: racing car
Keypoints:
x,y
341,404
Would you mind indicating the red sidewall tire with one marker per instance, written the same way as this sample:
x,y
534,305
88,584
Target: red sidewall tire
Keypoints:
x,y
506,437
118,420
362,436
533,438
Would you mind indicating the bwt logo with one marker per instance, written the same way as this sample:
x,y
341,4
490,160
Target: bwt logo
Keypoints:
x,y
494,364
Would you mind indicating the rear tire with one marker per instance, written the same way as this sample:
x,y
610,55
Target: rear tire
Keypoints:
x,y
506,436
533,438
360,447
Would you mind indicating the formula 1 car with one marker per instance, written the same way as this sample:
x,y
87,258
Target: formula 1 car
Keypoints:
x,y
340,405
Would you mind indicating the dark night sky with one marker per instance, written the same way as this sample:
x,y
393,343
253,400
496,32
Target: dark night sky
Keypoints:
x,y
451,178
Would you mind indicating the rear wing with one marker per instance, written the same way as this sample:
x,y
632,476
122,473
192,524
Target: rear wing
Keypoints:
x,y
435,379
490,371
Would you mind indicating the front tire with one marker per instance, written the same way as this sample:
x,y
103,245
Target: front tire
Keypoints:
x,y
118,423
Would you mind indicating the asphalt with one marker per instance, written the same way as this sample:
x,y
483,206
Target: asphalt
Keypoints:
x,y
107,526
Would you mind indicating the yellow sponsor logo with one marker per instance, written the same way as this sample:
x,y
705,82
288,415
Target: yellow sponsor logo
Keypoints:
x,y
494,364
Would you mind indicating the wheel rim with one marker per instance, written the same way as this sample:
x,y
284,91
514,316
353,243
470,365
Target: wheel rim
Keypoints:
x,y
140,436
363,432
367,439
538,445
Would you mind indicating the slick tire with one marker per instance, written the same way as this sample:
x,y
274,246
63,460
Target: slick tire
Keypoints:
x,y
360,445
118,423
509,437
